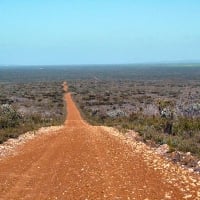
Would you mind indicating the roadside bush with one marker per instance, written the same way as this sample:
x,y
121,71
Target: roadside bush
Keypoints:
x,y
9,117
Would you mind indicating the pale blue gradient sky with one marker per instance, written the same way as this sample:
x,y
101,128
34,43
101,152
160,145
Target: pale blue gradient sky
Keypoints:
x,y
98,31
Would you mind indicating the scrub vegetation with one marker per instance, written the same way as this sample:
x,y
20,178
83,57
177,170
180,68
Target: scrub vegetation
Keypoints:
x,y
29,106
161,102
161,110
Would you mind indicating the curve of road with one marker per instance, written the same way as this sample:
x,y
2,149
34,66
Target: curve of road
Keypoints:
x,y
81,161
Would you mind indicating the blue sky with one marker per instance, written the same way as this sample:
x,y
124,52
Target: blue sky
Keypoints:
x,y
98,31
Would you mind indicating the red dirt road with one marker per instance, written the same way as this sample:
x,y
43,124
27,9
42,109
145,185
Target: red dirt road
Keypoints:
x,y
81,161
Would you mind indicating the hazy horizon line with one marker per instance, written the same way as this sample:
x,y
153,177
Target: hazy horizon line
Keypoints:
x,y
105,64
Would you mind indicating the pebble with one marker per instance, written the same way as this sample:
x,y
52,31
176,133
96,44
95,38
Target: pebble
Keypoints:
x,y
10,145
187,196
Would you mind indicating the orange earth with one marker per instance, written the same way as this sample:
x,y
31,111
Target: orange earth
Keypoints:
x,y
80,161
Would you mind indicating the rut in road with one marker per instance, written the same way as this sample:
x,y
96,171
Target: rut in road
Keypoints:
x,y
81,161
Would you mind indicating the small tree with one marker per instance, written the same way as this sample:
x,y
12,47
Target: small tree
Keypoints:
x,y
165,109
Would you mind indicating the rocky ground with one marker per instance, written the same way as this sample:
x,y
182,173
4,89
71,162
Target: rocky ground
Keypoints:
x,y
184,160
9,147
80,161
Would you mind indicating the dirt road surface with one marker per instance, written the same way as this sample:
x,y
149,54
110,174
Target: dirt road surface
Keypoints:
x,y
85,162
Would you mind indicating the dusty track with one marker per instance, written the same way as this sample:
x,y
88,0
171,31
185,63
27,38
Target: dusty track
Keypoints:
x,y
85,162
